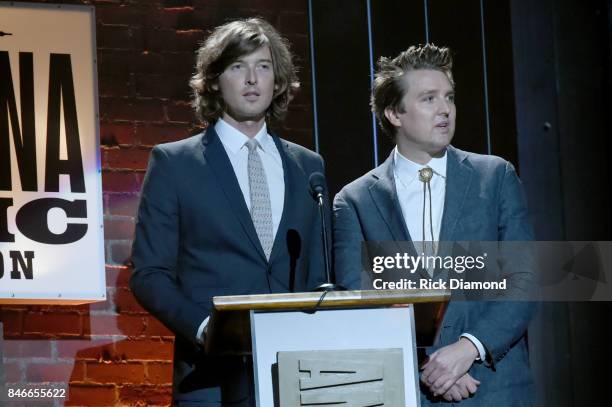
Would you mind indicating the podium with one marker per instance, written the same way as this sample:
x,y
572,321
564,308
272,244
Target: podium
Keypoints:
x,y
351,348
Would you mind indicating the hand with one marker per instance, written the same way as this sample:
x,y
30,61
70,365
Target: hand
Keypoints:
x,y
465,386
446,365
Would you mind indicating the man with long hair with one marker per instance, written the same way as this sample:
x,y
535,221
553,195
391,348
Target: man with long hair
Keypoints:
x,y
228,211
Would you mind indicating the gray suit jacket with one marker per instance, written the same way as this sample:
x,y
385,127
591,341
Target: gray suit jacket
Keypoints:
x,y
484,202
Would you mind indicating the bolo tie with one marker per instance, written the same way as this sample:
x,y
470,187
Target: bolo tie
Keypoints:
x,y
425,176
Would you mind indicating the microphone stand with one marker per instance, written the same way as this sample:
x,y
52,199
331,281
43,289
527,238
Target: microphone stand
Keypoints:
x,y
328,285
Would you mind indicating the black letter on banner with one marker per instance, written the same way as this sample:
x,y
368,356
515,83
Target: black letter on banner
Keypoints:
x,y
25,147
5,236
61,90
31,220
1,266
19,261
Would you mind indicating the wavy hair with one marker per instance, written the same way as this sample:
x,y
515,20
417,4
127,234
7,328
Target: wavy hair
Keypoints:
x,y
388,89
224,46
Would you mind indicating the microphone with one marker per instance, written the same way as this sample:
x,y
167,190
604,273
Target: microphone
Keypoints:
x,y
317,189
317,186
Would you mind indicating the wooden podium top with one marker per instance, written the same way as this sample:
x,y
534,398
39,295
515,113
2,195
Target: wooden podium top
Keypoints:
x,y
332,299
229,329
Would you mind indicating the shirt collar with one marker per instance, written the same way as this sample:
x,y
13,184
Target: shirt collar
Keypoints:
x,y
408,170
233,139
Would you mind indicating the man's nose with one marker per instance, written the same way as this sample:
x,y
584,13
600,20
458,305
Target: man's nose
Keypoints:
x,y
251,76
444,107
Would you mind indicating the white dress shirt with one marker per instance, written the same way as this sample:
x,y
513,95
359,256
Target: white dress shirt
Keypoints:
x,y
234,143
410,195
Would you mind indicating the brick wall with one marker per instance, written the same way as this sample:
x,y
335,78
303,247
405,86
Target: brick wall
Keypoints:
x,y
114,353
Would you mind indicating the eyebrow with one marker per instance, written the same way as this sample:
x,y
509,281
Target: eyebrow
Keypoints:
x,y
432,91
259,60
427,92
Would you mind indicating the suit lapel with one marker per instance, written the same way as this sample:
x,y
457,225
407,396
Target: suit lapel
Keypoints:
x,y
458,180
293,176
217,159
384,195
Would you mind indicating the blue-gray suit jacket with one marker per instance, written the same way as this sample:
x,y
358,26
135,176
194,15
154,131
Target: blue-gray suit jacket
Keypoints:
x,y
484,202
195,239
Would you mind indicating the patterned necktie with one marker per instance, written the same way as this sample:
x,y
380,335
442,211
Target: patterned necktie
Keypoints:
x,y
261,211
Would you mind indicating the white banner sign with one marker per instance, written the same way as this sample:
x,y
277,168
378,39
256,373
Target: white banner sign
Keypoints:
x,y
51,236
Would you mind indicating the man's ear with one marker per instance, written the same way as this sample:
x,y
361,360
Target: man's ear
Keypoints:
x,y
215,86
391,115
